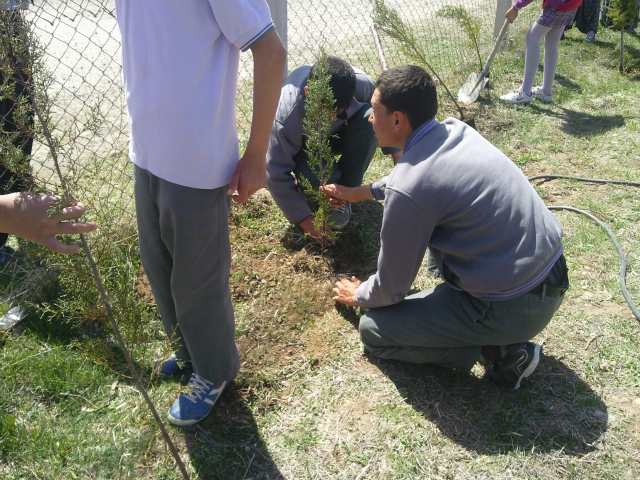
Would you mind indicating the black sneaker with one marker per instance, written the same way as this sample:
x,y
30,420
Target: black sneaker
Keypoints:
x,y
6,255
520,362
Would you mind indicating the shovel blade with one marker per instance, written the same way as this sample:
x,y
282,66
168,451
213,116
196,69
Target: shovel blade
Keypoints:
x,y
474,84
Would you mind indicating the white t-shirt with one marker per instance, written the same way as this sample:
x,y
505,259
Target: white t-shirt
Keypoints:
x,y
180,62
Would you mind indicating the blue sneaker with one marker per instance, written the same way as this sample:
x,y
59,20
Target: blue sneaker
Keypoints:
x,y
173,366
340,216
191,407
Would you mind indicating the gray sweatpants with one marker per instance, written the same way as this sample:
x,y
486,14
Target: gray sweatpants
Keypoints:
x,y
448,327
186,254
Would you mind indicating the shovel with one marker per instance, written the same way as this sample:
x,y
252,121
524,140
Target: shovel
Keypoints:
x,y
469,92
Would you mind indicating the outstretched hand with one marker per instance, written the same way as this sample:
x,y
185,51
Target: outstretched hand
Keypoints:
x,y
338,194
27,216
345,291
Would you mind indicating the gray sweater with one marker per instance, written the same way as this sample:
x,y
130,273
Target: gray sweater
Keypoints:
x,y
489,232
287,137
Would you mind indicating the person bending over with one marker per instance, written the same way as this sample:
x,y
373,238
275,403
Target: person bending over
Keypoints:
x,y
497,246
354,141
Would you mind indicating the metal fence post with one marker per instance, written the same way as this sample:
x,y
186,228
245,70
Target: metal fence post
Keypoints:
x,y
279,15
501,8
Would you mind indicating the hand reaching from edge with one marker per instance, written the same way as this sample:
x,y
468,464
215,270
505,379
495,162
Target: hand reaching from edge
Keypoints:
x,y
26,215
338,194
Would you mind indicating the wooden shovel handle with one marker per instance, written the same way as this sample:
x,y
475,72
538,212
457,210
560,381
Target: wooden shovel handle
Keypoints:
x,y
379,51
494,50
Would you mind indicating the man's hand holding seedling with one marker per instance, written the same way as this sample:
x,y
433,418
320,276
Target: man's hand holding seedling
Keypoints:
x,y
338,194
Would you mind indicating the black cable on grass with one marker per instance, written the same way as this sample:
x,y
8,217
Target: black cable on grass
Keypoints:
x,y
623,261
591,180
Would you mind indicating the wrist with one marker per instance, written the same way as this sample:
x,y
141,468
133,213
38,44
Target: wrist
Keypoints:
x,y
307,224
253,151
355,295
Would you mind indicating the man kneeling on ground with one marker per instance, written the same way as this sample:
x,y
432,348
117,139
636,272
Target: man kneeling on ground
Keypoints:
x,y
353,139
497,246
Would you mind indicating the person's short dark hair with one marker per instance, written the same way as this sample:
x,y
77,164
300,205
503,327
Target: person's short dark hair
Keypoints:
x,y
410,90
342,83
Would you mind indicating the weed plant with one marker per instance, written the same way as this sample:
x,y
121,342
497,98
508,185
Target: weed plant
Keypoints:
x,y
62,287
76,285
469,24
388,21
622,13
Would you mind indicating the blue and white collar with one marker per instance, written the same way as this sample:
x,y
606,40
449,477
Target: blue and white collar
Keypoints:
x,y
416,135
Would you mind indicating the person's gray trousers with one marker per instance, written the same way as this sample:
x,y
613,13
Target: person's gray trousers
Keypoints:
x,y
186,254
448,327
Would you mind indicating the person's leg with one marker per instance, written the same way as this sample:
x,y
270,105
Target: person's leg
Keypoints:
x,y
594,15
441,326
200,280
580,18
5,174
551,56
13,181
358,145
304,170
194,227
533,38
447,327
156,257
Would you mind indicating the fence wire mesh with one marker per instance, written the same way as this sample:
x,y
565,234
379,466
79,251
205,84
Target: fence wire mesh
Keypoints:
x,y
344,29
82,51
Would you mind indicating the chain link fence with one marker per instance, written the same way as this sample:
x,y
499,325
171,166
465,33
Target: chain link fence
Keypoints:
x,y
344,29
82,51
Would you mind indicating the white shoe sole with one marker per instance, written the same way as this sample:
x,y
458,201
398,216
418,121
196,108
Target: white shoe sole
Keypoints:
x,y
532,366
516,102
184,423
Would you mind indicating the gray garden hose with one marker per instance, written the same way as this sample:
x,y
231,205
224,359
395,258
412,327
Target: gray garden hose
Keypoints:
x,y
623,261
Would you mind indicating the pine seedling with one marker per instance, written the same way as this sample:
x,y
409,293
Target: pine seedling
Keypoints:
x,y
319,111
86,279
388,21
469,24
622,13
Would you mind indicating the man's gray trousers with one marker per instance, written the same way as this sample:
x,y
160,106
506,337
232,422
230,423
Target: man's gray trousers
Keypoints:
x,y
448,327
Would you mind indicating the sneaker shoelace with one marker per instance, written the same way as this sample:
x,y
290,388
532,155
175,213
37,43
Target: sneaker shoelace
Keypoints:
x,y
198,387
341,209
520,94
